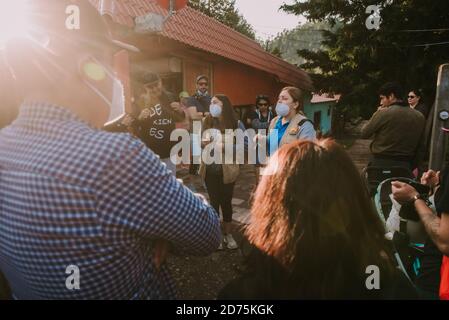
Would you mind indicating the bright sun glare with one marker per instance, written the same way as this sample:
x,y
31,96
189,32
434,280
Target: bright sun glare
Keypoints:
x,y
13,19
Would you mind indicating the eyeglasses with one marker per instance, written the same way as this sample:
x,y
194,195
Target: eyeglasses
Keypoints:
x,y
411,97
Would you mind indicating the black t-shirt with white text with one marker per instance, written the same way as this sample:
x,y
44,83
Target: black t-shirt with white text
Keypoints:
x,y
156,129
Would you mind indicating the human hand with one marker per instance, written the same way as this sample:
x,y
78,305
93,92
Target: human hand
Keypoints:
x,y
144,114
431,178
128,120
403,192
176,106
161,249
205,142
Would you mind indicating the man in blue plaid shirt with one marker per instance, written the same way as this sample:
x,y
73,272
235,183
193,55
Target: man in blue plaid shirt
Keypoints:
x,y
77,199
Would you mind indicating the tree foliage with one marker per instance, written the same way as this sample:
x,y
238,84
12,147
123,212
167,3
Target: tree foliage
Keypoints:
x,y
304,37
409,46
225,12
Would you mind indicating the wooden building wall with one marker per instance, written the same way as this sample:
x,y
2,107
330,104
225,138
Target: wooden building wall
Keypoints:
x,y
242,83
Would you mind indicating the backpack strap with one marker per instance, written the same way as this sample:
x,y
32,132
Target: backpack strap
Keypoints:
x,y
304,121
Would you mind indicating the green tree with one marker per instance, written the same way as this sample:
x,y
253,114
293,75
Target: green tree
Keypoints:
x,y
411,42
225,12
307,36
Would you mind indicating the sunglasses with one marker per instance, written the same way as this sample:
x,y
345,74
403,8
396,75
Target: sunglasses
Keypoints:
x,y
202,84
411,97
262,104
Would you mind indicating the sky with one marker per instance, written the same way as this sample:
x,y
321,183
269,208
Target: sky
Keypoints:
x,y
265,17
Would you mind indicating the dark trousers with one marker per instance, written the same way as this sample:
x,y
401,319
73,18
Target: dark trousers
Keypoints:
x,y
376,162
220,195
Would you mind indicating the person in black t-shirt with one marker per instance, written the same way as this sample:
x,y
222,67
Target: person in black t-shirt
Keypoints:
x,y
436,225
156,120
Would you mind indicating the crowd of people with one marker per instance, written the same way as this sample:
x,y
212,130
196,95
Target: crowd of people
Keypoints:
x,y
105,200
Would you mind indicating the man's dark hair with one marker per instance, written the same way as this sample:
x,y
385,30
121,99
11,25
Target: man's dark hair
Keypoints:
x,y
392,88
417,92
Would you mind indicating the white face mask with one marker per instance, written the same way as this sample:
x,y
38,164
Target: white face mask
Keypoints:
x,y
215,110
105,84
282,109
117,107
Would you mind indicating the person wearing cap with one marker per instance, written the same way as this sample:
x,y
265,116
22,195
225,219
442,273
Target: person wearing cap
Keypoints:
x,y
201,100
197,109
157,120
85,213
183,98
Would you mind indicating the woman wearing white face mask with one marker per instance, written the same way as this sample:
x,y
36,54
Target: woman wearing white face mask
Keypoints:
x,y
220,177
290,124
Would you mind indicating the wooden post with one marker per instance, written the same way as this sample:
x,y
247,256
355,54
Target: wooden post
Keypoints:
x,y
438,144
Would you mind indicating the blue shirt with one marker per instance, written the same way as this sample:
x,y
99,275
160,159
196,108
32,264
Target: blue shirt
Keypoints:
x,y
306,131
74,195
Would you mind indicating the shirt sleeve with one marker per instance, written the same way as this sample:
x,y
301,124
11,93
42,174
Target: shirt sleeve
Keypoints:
x,y
138,197
372,126
191,102
307,131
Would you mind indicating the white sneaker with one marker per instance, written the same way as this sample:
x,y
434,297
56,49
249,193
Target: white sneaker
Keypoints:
x,y
230,242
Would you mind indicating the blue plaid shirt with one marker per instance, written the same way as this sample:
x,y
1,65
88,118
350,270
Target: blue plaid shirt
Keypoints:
x,y
74,195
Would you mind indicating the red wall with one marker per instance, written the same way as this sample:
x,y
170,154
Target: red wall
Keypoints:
x,y
242,83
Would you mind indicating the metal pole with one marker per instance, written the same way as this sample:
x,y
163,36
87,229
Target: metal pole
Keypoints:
x,y
440,133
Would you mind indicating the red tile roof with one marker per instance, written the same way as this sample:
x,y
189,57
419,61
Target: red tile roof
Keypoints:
x,y
195,29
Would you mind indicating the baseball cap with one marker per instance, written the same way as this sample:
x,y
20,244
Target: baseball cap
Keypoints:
x,y
184,94
201,77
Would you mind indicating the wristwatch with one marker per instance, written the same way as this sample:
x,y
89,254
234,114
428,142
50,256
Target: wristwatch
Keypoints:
x,y
416,197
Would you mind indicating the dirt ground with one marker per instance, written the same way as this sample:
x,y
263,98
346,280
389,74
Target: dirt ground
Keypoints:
x,y
201,278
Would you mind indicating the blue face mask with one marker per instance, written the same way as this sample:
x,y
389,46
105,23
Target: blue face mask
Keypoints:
x,y
282,109
215,110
